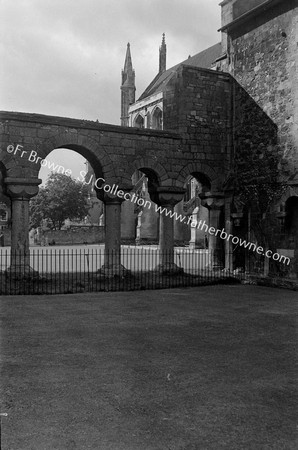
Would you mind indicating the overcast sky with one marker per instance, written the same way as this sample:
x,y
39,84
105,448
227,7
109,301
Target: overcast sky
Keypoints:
x,y
64,57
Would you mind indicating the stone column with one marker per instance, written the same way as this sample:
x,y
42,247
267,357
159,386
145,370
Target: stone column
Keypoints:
x,y
214,203
20,191
181,232
128,223
167,198
112,257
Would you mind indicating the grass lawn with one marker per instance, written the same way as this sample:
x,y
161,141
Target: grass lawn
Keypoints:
x,y
212,367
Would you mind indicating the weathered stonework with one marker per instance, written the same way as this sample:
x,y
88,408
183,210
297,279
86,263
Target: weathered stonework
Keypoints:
x,y
260,39
114,153
264,56
214,121
197,104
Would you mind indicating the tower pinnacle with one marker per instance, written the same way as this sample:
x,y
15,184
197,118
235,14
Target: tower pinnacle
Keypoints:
x,y
128,62
128,87
163,55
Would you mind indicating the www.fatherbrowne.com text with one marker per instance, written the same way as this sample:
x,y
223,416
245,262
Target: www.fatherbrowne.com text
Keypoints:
x,y
100,183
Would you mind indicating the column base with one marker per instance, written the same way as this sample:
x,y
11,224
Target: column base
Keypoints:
x,y
21,272
193,245
112,270
216,267
168,269
215,261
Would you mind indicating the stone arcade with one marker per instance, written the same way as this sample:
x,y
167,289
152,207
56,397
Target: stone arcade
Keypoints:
x,y
205,117
114,153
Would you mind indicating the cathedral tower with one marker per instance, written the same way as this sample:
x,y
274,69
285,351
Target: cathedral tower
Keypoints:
x,y
163,55
128,88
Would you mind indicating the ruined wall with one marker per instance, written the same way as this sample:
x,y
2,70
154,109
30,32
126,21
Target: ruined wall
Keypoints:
x,y
197,104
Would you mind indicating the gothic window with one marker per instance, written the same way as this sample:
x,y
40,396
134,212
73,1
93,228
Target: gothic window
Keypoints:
x,y
157,119
148,120
139,121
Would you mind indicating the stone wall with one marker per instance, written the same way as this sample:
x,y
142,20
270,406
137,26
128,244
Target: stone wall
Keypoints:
x,y
253,131
75,235
263,58
264,52
197,104
114,152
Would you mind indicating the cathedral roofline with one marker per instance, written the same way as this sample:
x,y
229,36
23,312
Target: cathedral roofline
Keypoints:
x,y
203,59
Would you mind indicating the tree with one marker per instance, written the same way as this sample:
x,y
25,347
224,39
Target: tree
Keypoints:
x,y
62,198
258,186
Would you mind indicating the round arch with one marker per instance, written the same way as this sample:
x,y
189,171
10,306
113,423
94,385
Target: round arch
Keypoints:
x,y
95,153
153,168
291,191
201,170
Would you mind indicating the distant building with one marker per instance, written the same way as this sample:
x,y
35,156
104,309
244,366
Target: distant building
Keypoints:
x,y
148,112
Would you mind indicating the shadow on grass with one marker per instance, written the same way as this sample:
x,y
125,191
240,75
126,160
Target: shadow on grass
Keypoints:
x,y
70,283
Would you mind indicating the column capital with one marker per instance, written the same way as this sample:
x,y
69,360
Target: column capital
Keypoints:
x,y
112,200
22,188
212,201
168,196
112,194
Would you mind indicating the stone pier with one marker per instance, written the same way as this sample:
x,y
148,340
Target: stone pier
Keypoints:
x,y
214,202
167,198
20,191
112,256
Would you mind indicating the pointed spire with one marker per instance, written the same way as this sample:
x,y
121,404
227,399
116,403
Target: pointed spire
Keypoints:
x,y
128,73
128,61
128,87
163,55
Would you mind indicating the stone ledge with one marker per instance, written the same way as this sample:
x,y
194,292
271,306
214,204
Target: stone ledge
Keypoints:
x,y
84,124
240,19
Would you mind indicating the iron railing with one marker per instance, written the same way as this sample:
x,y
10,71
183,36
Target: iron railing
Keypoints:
x,y
54,270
